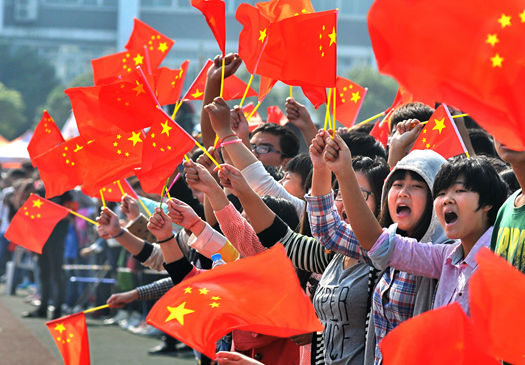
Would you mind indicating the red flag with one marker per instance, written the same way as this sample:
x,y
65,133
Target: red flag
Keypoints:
x,y
265,85
145,38
46,136
169,83
116,66
441,135
153,181
275,115
316,95
381,130
441,336
33,223
480,71
497,292
255,120
253,35
276,10
111,157
239,295
70,335
215,13
302,50
111,191
349,98
60,167
124,105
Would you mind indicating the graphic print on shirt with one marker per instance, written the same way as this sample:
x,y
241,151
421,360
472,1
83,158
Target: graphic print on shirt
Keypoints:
x,y
509,245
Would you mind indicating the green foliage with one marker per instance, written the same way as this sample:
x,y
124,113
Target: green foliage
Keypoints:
x,y
12,116
380,94
57,103
22,69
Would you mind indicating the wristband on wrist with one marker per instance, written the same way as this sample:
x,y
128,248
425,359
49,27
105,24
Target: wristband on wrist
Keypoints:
x,y
219,142
167,239
238,140
193,225
122,230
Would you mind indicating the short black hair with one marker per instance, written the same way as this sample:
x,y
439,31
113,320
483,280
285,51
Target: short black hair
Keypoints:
x,y
275,172
283,209
482,142
288,142
375,170
361,144
417,110
480,177
510,178
300,164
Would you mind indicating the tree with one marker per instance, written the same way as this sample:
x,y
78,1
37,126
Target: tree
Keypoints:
x,y
12,118
22,69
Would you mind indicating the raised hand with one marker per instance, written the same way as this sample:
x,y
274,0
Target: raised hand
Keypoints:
x,y
182,214
403,139
108,224
232,179
317,149
297,114
119,300
130,207
337,154
160,225
199,178
232,62
239,123
219,113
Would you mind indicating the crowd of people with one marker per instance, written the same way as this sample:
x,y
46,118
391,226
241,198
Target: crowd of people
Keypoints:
x,y
377,235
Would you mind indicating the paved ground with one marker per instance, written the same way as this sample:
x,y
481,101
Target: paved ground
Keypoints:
x,y
26,341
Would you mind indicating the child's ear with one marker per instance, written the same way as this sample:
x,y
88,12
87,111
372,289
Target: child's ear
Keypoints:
x,y
486,208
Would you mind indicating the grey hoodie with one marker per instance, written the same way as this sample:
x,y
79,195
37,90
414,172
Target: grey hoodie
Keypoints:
x,y
426,164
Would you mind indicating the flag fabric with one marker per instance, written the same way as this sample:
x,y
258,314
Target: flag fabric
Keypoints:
x,y
302,50
475,62
111,157
153,181
153,44
116,66
441,135
275,115
349,97
381,130
169,83
33,223
442,336
60,167
215,13
256,119
71,337
111,191
265,85
239,295
46,136
497,293
253,35
276,10
316,95
124,105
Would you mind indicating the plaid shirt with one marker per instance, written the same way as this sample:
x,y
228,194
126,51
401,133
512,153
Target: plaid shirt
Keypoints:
x,y
395,293
155,290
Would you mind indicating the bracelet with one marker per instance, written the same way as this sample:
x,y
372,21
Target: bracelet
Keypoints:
x,y
167,239
230,142
192,225
122,230
219,142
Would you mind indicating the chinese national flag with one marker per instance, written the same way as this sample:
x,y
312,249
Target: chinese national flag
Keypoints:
x,y
240,295
275,115
122,105
255,120
60,167
33,223
497,292
265,85
276,10
215,13
145,38
46,136
169,83
316,95
475,62
112,157
302,50
381,130
442,336
153,181
253,35
112,191
441,135
70,335
116,66
349,98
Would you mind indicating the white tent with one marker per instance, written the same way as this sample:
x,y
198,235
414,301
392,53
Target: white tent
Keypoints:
x,y
16,150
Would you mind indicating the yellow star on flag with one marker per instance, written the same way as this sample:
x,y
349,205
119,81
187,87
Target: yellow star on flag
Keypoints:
x,y
203,291
497,60
440,124
139,89
355,97
138,59
216,298
522,16
262,35
60,328
166,128
178,313
504,20
333,37
492,39
214,304
197,93
135,138
163,47
187,290
37,203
